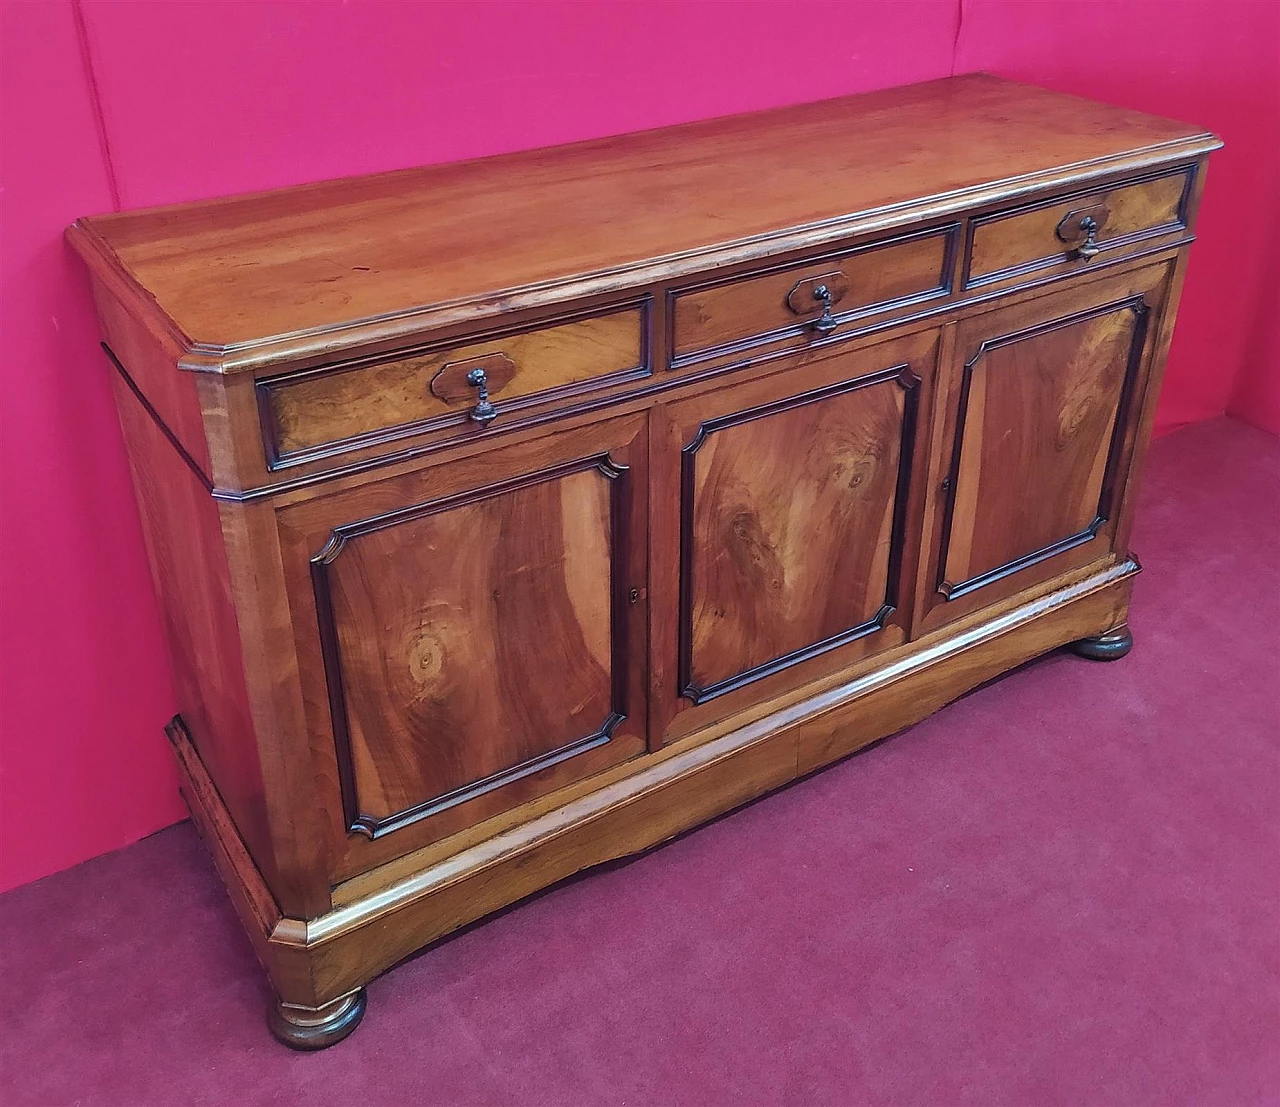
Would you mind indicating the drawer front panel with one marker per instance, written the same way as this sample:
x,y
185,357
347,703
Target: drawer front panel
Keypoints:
x,y
746,311
1009,244
351,405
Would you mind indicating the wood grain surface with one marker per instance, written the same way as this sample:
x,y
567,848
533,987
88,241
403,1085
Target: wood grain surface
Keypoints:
x,y
315,408
724,313
271,264
1008,243
471,635
1043,398
435,616
791,517
1039,418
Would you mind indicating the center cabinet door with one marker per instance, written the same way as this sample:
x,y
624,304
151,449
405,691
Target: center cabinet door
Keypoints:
x,y
795,509
469,633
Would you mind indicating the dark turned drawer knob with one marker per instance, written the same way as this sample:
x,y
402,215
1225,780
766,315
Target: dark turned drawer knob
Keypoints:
x,y
826,322
1089,248
484,412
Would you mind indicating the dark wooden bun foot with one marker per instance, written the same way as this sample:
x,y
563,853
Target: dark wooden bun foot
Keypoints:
x,y
1105,647
317,1028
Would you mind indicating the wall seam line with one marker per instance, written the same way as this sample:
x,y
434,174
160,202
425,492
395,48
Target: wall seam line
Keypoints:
x,y
95,103
955,41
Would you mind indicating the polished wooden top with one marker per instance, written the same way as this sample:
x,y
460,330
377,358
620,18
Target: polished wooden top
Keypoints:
x,y
245,279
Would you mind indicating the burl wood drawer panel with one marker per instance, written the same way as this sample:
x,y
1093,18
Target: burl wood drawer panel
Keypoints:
x,y
1077,228
786,301
358,403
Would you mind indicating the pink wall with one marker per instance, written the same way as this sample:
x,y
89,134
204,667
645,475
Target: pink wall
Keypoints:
x,y
147,103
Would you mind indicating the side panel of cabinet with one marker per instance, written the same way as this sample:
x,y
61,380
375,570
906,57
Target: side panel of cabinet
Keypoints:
x,y
468,635
794,522
1041,410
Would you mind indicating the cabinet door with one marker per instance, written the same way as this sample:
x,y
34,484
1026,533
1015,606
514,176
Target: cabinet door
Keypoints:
x,y
1040,421
794,522
468,635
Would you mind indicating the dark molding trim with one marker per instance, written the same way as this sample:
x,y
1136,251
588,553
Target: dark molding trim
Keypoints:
x,y
1106,501
909,382
359,822
955,591
372,827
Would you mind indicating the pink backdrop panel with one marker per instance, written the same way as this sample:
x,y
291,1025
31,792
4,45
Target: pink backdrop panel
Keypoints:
x,y
82,669
1256,398
205,99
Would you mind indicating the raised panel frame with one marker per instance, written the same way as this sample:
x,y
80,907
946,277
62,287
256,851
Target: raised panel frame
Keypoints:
x,y
901,374
1105,511
360,822
305,526
1148,288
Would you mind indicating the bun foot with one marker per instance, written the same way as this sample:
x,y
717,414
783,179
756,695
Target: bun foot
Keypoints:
x,y
317,1027
1105,647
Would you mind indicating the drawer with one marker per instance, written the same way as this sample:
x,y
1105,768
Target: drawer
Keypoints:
x,y
357,403
769,305
1072,230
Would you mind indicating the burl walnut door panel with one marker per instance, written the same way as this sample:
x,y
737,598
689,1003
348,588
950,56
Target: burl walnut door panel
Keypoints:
x,y
795,521
1042,401
468,635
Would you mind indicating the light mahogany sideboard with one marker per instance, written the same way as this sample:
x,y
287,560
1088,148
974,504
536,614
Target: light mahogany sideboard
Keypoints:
x,y
512,516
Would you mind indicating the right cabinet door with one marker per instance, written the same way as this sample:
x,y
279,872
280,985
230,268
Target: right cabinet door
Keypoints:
x,y
1036,437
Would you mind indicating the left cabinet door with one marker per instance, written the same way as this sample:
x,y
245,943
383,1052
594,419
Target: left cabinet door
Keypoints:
x,y
471,634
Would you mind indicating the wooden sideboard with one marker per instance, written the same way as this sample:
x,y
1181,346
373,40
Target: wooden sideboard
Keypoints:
x,y
512,516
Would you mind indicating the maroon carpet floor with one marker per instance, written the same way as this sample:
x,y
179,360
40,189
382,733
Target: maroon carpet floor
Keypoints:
x,y
1063,889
